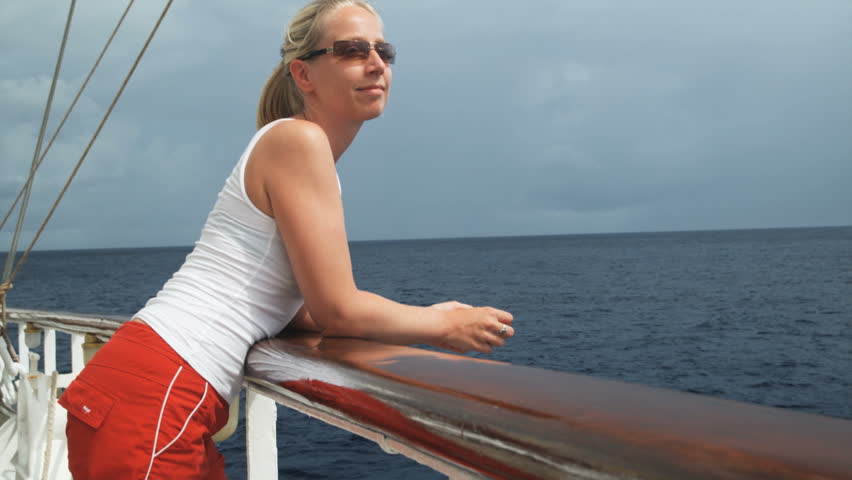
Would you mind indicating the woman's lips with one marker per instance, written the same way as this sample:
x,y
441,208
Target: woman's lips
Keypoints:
x,y
372,89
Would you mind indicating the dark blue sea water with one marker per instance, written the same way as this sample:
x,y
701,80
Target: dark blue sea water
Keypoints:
x,y
762,316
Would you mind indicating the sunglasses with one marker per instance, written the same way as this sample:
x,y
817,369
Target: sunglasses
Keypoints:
x,y
355,49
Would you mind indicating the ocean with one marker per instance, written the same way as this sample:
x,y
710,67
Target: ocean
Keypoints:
x,y
761,316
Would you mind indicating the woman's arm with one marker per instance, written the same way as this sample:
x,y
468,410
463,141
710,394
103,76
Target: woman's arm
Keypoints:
x,y
302,321
294,169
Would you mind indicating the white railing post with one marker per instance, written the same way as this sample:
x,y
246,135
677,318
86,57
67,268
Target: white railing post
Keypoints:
x,y
261,445
49,351
23,350
77,362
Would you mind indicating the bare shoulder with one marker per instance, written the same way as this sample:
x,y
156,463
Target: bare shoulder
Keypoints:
x,y
291,155
293,139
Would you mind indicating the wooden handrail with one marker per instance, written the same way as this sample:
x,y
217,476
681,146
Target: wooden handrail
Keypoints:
x,y
474,418
511,422
102,326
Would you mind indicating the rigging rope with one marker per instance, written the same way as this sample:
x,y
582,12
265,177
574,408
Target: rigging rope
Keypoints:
x,y
92,141
6,282
5,287
28,186
51,409
68,112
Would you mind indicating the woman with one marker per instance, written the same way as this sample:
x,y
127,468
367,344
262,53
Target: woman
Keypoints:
x,y
273,250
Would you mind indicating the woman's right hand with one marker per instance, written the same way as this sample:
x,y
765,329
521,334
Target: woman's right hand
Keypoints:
x,y
476,329
451,305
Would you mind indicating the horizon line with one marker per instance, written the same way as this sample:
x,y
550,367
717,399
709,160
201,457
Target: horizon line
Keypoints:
x,y
474,237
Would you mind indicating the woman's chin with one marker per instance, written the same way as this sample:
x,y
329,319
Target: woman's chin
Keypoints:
x,y
372,109
371,113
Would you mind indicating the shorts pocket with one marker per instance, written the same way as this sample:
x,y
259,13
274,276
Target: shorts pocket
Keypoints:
x,y
87,403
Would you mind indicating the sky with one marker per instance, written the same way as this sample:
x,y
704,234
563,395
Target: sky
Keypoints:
x,y
505,118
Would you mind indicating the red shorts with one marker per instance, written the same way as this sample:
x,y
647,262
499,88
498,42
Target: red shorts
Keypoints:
x,y
139,411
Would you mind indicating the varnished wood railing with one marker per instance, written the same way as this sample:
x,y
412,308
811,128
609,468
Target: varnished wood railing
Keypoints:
x,y
471,418
505,421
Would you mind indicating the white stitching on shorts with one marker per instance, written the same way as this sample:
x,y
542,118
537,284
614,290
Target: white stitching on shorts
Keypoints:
x,y
186,422
154,452
159,421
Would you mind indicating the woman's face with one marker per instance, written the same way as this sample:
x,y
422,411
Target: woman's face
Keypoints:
x,y
356,88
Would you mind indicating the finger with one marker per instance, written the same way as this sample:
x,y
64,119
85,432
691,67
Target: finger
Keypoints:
x,y
484,347
507,333
494,340
501,315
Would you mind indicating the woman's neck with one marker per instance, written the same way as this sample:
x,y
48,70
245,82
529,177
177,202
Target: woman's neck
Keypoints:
x,y
340,133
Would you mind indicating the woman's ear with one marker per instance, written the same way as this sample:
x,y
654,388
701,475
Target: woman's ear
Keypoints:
x,y
301,74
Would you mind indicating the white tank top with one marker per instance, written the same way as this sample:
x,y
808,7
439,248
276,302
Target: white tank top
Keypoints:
x,y
236,287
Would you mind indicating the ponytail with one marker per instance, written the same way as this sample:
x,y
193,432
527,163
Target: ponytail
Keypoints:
x,y
280,98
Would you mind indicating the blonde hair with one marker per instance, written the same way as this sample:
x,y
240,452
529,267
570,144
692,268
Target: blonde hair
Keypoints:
x,y
280,98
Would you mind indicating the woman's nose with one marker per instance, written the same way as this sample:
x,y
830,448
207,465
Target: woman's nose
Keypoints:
x,y
375,64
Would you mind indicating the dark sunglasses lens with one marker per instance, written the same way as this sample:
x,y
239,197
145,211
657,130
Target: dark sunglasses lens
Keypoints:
x,y
351,50
386,52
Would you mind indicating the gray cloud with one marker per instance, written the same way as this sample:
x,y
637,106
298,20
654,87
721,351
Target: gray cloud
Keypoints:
x,y
505,119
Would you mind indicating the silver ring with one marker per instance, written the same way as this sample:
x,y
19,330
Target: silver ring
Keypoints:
x,y
503,330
